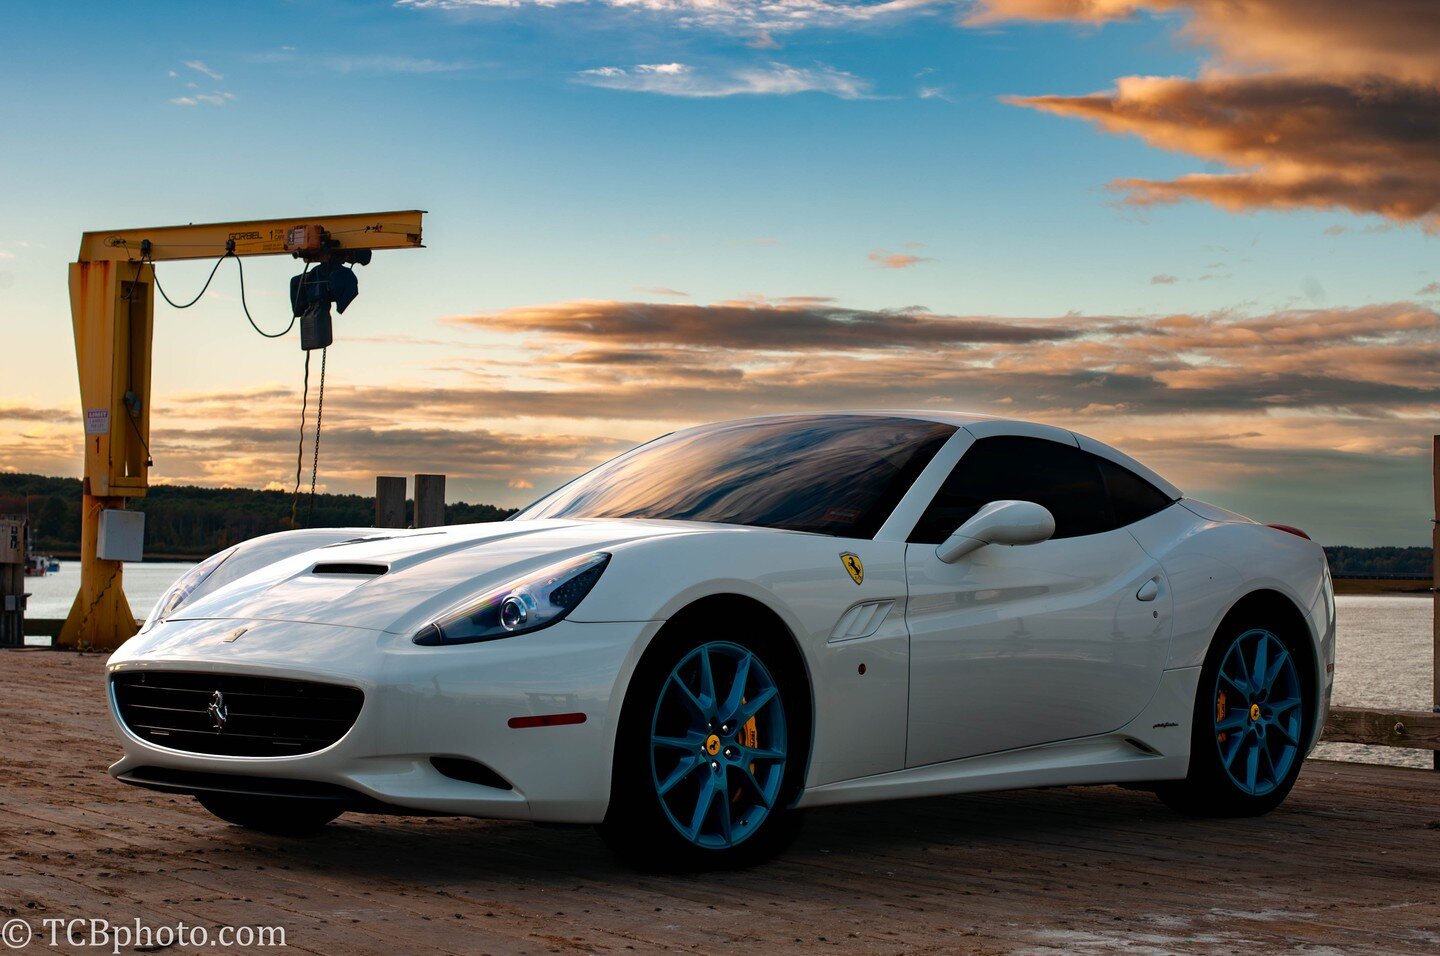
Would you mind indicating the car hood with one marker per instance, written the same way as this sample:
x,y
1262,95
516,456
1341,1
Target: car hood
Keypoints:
x,y
400,580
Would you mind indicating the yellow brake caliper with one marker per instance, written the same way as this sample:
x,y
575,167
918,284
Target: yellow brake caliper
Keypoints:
x,y
1220,712
749,736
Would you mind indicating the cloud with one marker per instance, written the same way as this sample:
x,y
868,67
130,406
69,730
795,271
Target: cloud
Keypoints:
x,y
30,413
215,98
1163,279
805,324
1369,147
199,67
773,79
212,99
381,63
1311,104
1315,401
1396,38
895,260
1432,289
1380,362
759,19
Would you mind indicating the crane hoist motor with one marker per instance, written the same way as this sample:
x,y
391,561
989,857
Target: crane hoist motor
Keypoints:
x,y
329,277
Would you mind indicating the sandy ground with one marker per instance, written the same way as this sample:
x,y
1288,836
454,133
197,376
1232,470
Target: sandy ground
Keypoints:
x,y
1351,863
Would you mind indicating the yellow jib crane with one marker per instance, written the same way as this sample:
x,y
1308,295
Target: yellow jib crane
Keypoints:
x,y
112,304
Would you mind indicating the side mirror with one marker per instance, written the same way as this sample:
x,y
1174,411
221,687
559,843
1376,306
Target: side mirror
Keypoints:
x,y
999,522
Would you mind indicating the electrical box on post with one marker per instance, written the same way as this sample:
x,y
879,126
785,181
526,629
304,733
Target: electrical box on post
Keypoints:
x,y
122,535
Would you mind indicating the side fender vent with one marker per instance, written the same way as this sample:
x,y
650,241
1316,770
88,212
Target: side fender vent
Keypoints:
x,y
862,620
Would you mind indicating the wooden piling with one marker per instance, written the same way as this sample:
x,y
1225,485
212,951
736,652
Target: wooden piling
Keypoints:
x,y
13,533
389,501
429,501
1435,586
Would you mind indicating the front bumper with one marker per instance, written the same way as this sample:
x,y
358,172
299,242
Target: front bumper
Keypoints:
x,y
420,702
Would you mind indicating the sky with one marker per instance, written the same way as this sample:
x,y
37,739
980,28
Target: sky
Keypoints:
x,y
1202,230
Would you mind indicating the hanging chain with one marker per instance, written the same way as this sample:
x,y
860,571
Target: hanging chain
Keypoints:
x,y
315,457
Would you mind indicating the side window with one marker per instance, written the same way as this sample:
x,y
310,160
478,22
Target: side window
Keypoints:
x,y
1063,478
1131,497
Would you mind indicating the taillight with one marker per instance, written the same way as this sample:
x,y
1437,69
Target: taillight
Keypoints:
x,y
1289,530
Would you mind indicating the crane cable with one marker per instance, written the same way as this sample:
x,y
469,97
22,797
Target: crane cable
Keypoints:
x,y
300,450
315,458
305,393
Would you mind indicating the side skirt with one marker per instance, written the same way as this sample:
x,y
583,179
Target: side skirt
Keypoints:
x,y
1153,746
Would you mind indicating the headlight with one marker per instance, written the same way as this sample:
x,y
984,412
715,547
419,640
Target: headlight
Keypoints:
x,y
181,590
535,601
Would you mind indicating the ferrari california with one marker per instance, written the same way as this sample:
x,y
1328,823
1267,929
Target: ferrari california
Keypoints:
x,y
694,642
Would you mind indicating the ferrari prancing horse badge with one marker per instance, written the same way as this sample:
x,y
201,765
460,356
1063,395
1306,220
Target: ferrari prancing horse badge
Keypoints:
x,y
851,560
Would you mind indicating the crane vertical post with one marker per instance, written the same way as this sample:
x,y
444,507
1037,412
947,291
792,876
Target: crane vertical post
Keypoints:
x,y
111,306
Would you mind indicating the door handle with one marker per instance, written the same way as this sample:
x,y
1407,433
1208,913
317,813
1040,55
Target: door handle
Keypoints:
x,y
1149,591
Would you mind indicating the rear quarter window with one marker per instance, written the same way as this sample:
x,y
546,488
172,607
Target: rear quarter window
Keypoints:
x,y
1132,498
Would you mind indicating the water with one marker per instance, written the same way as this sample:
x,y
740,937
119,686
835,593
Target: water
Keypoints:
x,y
52,595
1382,660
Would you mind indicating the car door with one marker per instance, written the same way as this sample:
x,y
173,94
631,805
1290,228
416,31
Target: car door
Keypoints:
x,y
1016,646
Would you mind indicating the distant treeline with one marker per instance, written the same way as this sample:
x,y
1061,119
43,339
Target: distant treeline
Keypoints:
x,y
186,520
1348,562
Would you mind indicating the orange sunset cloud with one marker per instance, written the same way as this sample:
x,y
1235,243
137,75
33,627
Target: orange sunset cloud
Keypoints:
x,y
1311,103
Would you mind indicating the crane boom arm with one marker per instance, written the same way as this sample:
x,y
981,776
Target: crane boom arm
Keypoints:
x,y
266,237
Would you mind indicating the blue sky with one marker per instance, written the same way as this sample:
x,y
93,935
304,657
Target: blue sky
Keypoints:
x,y
555,170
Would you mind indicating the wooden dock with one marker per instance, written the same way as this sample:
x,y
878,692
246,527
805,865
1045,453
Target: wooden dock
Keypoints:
x,y
1351,863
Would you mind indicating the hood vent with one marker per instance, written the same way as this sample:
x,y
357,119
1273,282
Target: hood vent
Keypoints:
x,y
350,567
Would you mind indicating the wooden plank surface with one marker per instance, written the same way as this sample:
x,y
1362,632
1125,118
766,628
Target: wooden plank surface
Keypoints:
x,y
1350,863
1386,728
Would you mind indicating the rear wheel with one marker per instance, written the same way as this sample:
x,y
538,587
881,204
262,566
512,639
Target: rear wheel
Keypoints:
x,y
1251,720
707,758
282,816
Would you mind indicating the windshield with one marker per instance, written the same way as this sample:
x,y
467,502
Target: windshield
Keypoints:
x,y
829,474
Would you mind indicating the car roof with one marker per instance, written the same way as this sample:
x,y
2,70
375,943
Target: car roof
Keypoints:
x,y
989,425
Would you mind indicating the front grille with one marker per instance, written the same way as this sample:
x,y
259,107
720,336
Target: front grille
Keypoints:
x,y
262,716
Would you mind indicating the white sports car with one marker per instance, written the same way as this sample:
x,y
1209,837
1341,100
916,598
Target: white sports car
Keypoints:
x,y
695,641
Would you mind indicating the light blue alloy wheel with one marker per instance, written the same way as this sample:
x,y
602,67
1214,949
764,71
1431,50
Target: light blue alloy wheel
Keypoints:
x,y
1258,713
718,745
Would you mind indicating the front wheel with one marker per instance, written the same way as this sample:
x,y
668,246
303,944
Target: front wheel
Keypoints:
x,y
707,758
282,816
1250,727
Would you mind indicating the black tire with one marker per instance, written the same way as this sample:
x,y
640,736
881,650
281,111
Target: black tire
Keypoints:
x,y
1209,789
637,827
281,816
